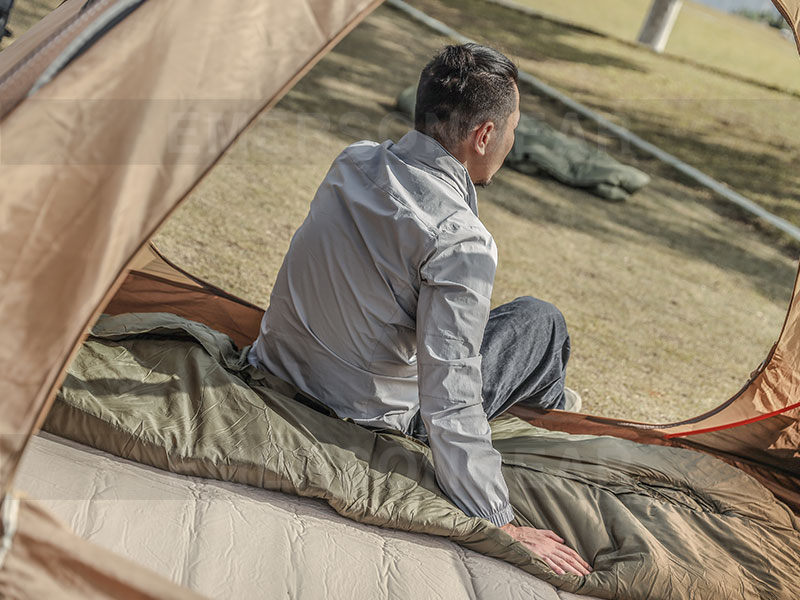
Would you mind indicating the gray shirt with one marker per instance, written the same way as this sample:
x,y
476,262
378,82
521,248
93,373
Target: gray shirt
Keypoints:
x,y
381,302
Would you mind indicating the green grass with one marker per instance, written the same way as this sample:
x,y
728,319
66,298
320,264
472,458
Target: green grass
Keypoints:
x,y
719,40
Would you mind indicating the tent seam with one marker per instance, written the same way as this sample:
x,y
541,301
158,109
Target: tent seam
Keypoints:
x,y
36,53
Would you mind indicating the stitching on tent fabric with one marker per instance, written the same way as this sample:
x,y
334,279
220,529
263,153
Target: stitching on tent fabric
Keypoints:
x,y
85,39
31,58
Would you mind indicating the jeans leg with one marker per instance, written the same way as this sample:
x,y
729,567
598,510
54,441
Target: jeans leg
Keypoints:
x,y
525,351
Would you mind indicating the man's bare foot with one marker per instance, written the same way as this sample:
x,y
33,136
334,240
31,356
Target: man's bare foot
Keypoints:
x,y
550,548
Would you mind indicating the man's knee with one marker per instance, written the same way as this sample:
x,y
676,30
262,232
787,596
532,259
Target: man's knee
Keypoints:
x,y
540,311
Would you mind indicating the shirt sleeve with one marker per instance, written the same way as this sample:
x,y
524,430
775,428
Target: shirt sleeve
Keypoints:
x,y
453,308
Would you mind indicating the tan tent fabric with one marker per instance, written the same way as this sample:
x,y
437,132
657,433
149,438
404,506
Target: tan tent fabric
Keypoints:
x,y
150,261
86,182
155,285
790,9
775,389
95,161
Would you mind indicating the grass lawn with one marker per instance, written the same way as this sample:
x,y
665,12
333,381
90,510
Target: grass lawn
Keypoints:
x,y
670,302
702,34
742,134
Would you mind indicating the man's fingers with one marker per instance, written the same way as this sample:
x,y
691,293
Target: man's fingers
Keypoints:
x,y
577,557
553,565
551,549
585,564
552,535
561,563
574,562
564,565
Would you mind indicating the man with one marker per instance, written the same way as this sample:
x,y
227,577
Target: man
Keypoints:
x,y
381,307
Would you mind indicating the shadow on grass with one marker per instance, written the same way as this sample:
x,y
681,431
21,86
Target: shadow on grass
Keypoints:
x,y
747,161
748,171
512,32
346,112
637,222
355,90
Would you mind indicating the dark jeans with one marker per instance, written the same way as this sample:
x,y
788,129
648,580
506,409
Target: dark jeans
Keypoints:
x,y
525,350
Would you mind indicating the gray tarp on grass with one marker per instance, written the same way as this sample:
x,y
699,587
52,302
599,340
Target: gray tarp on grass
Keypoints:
x,y
656,522
539,147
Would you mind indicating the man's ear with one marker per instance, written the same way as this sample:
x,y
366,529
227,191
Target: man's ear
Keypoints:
x,y
482,136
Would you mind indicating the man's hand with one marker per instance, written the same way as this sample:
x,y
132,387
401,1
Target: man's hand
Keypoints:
x,y
550,548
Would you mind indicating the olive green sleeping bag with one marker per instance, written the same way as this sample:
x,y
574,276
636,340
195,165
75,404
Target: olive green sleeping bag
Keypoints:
x,y
655,522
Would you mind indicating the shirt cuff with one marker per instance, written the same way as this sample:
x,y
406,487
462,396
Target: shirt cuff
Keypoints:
x,y
501,517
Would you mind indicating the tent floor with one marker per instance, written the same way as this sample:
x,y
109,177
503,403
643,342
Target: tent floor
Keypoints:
x,y
228,540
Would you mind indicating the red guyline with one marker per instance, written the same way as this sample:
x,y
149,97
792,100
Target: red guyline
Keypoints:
x,y
732,425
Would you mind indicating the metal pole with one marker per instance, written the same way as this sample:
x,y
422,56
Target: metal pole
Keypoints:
x,y
659,22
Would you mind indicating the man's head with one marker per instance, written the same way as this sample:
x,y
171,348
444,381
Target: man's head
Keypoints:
x,y
467,99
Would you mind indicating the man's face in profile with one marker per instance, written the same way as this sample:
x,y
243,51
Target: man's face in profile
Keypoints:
x,y
499,145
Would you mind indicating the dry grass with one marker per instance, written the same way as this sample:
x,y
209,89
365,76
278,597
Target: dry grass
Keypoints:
x,y
741,134
670,302
704,35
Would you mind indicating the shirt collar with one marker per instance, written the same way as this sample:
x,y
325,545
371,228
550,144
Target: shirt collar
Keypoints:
x,y
417,148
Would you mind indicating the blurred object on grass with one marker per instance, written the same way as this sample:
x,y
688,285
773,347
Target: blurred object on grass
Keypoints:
x,y
25,14
5,13
540,148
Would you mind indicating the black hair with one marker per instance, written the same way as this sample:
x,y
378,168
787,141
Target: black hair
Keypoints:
x,y
460,88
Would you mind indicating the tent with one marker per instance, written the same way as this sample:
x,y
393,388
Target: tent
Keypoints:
x,y
78,208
